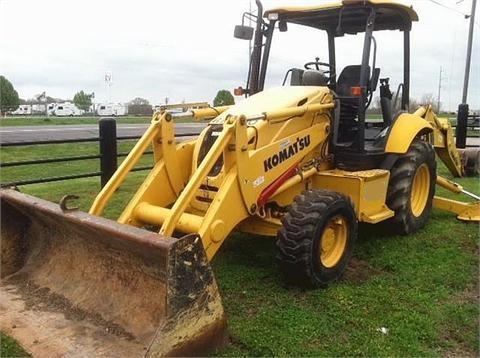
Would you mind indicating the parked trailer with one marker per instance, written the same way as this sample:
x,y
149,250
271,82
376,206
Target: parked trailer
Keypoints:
x,y
67,109
112,109
23,109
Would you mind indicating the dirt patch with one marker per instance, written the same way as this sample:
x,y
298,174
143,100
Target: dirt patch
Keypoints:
x,y
469,295
452,334
461,352
43,299
470,244
251,311
359,271
459,347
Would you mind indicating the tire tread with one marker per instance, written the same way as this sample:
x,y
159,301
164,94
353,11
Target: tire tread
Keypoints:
x,y
296,237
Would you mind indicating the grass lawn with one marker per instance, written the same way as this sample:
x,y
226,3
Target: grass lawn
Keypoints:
x,y
10,348
401,296
51,151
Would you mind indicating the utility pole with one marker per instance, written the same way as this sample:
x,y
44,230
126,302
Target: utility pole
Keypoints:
x,y
462,115
469,52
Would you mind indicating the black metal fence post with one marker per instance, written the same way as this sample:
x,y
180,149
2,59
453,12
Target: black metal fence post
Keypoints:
x,y
461,130
108,148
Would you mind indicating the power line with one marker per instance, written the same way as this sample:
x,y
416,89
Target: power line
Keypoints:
x,y
449,8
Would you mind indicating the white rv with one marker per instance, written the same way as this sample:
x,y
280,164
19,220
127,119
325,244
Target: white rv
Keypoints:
x,y
67,109
111,109
23,109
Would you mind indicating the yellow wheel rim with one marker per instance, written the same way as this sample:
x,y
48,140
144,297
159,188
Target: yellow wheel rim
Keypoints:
x,y
333,241
420,190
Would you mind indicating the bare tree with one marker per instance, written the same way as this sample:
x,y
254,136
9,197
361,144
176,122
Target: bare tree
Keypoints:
x,y
429,99
414,104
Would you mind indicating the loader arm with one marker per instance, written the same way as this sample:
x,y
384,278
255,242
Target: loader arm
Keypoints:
x,y
157,204
184,195
160,132
161,135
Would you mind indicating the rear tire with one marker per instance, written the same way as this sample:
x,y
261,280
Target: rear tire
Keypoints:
x,y
411,188
317,238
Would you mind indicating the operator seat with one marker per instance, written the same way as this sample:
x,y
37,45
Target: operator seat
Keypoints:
x,y
350,77
347,125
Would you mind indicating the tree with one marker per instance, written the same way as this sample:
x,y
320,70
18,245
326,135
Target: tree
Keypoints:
x,y
223,98
83,100
139,107
9,100
138,101
429,99
375,106
414,104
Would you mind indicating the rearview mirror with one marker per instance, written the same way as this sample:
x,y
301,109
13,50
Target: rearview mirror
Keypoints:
x,y
243,32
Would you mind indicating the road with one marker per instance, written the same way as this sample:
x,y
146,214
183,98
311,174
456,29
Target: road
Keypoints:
x,y
473,141
64,132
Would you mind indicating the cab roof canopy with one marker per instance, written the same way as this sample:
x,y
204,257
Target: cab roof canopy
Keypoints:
x,y
390,15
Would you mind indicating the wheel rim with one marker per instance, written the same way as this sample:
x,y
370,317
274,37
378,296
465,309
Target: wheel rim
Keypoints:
x,y
420,190
333,241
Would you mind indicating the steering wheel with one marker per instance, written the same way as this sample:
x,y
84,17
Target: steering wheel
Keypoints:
x,y
316,65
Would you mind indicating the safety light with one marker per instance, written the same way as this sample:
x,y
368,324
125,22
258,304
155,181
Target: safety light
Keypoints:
x,y
356,91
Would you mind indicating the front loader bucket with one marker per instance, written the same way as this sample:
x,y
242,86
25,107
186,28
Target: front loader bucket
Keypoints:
x,y
74,284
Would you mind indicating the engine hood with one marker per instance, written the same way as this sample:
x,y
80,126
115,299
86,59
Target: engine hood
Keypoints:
x,y
275,99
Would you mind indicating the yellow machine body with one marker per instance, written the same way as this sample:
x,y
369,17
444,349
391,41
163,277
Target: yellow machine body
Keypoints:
x,y
261,154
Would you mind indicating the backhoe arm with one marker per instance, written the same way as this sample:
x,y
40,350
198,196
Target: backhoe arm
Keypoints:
x,y
465,211
443,141
455,161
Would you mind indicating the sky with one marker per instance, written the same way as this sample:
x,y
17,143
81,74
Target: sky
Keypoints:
x,y
185,51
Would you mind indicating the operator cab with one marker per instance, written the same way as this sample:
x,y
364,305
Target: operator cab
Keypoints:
x,y
353,139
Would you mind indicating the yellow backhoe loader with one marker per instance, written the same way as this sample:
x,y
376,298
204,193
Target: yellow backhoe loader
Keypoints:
x,y
299,162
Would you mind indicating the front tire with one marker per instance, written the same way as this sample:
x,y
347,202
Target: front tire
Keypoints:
x,y
317,238
411,188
